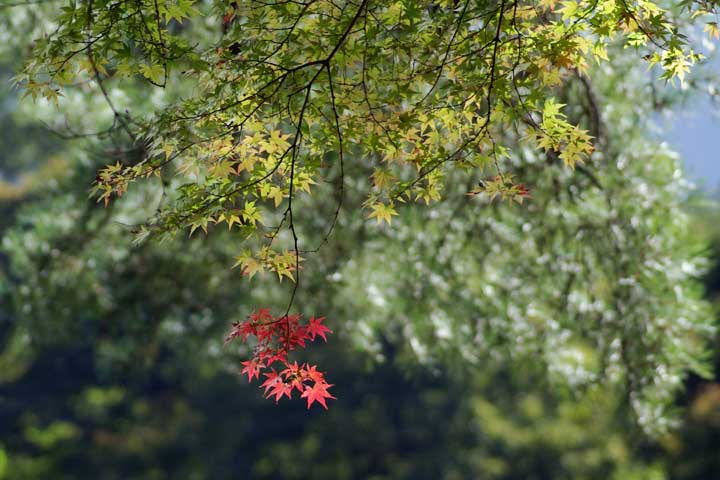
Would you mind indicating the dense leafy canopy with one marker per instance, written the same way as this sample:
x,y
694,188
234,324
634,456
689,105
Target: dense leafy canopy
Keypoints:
x,y
286,93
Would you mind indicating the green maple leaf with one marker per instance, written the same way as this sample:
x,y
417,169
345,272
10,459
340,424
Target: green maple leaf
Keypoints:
x,y
382,212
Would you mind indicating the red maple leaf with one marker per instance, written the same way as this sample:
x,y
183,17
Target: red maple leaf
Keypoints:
x,y
242,330
252,368
316,328
317,393
522,190
262,315
313,374
292,370
276,338
279,389
271,379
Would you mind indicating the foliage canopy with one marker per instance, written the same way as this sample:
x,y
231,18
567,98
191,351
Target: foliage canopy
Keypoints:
x,y
283,93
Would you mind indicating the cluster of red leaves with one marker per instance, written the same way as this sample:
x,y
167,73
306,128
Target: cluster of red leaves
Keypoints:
x,y
276,337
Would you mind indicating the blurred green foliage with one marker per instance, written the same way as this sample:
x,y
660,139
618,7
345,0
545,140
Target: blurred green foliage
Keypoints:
x,y
112,365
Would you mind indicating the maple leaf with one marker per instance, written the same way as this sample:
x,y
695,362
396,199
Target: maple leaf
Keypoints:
x,y
242,330
252,368
382,178
314,374
382,212
296,383
262,315
268,355
521,192
279,389
316,328
292,370
317,393
276,337
271,379
249,265
297,337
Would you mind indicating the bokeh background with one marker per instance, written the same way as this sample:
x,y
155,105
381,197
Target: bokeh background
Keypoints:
x,y
112,364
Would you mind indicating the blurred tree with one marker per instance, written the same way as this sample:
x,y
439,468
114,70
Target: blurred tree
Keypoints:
x,y
514,342
693,450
